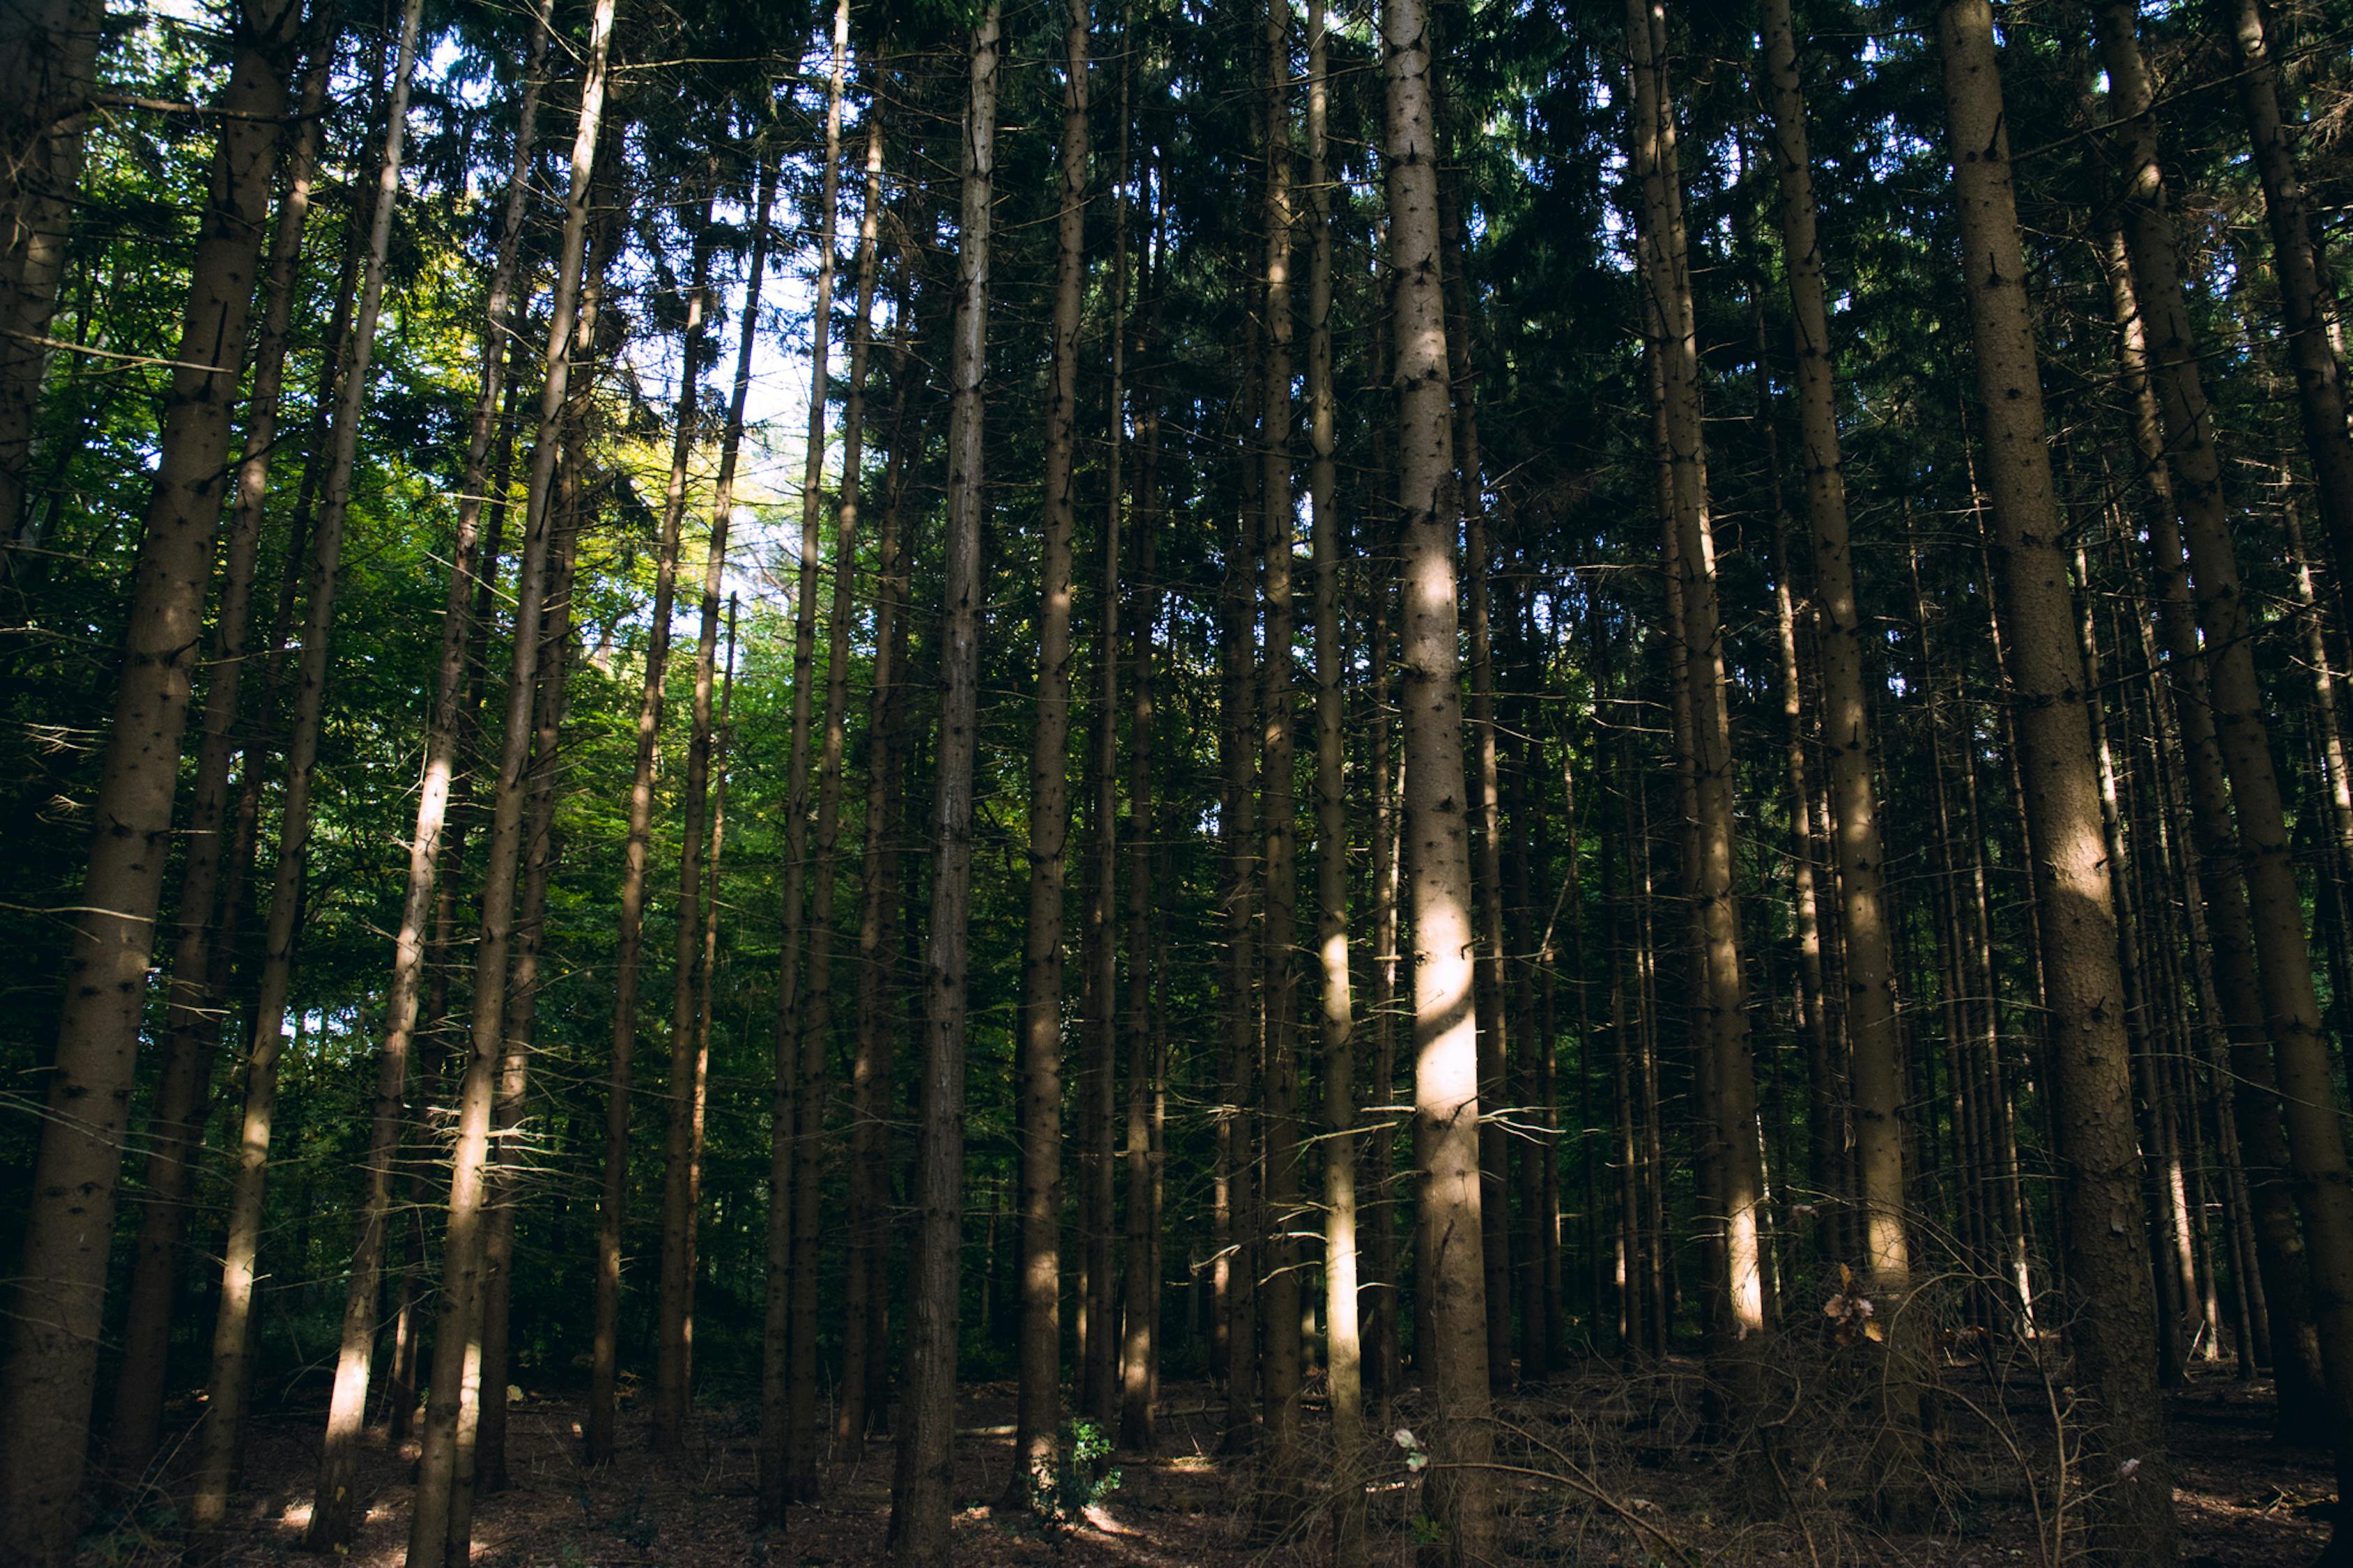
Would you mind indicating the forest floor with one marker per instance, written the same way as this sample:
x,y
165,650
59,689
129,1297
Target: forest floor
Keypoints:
x,y
1607,1470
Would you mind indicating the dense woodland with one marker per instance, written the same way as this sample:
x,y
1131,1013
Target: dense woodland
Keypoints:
x,y
1155,783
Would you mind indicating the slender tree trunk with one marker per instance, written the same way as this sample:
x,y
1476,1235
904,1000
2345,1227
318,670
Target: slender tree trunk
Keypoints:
x,y
231,1374
680,1174
60,1288
800,1051
866,1291
924,1484
1446,1050
1038,1419
1384,1359
1344,1352
332,1508
1278,1286
707,977
1141,1298
2310,1107
456,1337
671,1401
1238,1043
193,1023
48,63
1719,1020
482,1426
2308,297
1864,919
2107,1263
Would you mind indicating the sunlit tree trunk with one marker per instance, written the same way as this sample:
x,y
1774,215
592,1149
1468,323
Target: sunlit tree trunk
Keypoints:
x,y
458,1327
229,1382
2108,1262
1460,1497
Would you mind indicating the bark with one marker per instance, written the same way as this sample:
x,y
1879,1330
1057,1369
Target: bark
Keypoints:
x,y
2323,1180
800,1051
1457,1496
1278,1287
60,1288
680,1173
481,1455
231,1373
1719,1022
2308,305
2108,1262
1038,1416
1343,1333
48,63
1237,1281
670,1400
1140,1351
866,1291
923,1486
571,328
332,1508
1865,919
1383,1369
198,992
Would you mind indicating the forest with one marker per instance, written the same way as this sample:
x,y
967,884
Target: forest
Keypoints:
x,y
1151,783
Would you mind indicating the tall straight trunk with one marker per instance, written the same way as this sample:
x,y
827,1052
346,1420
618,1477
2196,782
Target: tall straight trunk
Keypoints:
x,y
1140,1299
1486,841
923,1484
570,334
1038,1419
1278,1289
332,1508
482,1425
669,1406
816,1023
49,64
2279,1243
193,1022
707,972
231,1374
1383,1360
1458,1495
678,1164
2323,1180
2108,1262
60,1288
866,1290
1864,921
1099,932
2307,296
1342,1333
1238,1043
800,1051
1719,1021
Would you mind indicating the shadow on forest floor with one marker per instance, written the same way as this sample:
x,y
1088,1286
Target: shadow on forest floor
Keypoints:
x,y
1610,1469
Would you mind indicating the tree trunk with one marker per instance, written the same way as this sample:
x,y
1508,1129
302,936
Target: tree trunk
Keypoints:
x,y
1342,1334
1141,1298
800,1051
48,63
1864,920
678,1163
61,1282
231,1374
2108,1262
1237,1281
1037,1420
2301,1057
2307,296
1278,1286
1438,875
193,1023
332,1508
922,1488
570,331
671,1401
866,1290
